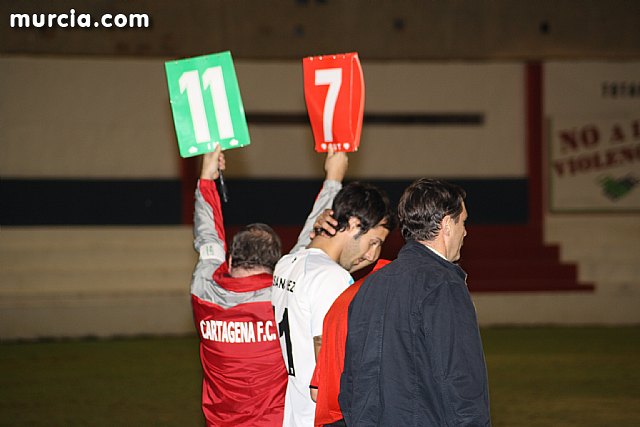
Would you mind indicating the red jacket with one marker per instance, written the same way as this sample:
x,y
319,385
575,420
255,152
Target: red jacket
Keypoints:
x,y
244,378
326,377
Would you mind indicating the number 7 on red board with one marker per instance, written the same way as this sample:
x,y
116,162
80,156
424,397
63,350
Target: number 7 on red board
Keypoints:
x,y
334,94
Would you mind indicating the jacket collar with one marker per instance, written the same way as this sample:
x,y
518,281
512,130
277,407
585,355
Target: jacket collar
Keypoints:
x,y
241,284
413,248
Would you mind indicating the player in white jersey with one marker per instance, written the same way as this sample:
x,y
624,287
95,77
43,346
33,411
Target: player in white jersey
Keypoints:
x,y
308,280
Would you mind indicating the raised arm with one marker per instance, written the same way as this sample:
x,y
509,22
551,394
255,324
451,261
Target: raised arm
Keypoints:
x,y
335,166
208,228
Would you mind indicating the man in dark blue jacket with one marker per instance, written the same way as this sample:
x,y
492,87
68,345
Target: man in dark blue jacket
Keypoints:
x,y
414,355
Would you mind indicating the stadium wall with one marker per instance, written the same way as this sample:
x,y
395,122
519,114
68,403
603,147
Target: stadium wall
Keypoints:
x,y
93,240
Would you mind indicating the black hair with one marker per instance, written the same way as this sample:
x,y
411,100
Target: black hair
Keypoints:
x,y
369,204
424,204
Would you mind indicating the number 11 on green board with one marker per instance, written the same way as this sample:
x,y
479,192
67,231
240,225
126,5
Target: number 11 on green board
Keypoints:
x,y
206,104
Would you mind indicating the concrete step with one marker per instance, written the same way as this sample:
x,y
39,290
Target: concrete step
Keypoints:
x,y
593,227
588,253
95,258
526,285
605,247
35,238
66,282
610,271
501,270
95,281
510,253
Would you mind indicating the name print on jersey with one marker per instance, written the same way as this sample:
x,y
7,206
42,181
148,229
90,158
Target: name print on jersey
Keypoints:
x,y
237,332
286,284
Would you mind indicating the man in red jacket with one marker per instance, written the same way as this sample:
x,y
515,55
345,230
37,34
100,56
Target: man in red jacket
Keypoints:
x,y
325,383
244,377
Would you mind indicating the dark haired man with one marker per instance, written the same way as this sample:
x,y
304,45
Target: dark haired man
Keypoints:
x,y
414,355
308,280
244,378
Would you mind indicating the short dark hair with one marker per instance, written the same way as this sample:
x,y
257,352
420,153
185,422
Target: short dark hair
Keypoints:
x,y
369,204
256,245
424,204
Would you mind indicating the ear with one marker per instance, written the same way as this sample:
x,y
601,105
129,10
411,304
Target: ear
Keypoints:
x,y
446,225
354,225
230,263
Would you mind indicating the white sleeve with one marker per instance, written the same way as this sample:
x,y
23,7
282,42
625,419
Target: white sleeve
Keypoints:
x,y
208,230
324,201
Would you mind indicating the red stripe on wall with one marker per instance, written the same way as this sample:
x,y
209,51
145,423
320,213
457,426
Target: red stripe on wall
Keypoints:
x,y
188,182
533,108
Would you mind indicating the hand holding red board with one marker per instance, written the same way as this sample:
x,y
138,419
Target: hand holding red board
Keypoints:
x,y
334,94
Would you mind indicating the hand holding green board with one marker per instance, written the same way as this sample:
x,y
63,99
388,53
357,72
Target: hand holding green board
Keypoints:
x,y
206,104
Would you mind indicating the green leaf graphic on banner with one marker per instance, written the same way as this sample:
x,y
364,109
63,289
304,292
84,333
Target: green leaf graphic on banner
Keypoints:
x,y
617,188
206,104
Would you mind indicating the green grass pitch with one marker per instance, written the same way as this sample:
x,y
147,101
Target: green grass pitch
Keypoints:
x,y
560,377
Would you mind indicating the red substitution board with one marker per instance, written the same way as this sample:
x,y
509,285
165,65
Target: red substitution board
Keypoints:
x,y
334,94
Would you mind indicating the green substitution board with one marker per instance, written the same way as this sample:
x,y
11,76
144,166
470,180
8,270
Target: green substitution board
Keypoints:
x,y
206,104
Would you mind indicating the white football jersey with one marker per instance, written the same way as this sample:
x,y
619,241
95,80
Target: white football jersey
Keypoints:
x,y
305,285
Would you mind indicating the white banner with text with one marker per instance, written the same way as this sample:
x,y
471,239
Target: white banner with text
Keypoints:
x,y
594,165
